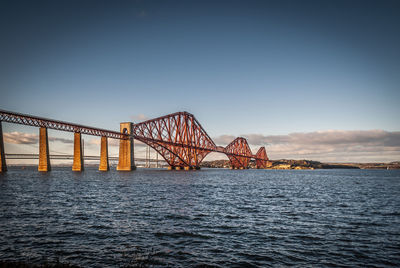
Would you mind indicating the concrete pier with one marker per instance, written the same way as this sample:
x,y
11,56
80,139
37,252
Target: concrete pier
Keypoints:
x,y
104,166
3,165
44,157
126,150
78,153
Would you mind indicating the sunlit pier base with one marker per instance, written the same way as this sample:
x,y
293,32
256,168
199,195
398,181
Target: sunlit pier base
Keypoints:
x,y
78,153
44,157
104,165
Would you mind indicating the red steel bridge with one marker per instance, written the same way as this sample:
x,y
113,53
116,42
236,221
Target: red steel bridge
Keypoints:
x,y
179,138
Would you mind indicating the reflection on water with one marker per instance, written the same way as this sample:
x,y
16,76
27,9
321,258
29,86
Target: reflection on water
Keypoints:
x,y
209,217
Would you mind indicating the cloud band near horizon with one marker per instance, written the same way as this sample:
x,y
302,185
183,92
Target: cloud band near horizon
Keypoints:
x,y
31,138
28,138
330,145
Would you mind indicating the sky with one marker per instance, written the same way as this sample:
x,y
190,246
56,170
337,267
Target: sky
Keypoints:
x,y
307,79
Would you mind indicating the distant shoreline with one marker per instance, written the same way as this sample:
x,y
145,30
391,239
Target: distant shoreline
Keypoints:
x,y
272,164
305,164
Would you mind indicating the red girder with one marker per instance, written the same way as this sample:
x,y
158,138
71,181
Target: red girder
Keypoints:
x,y
239,153
261,158
178,138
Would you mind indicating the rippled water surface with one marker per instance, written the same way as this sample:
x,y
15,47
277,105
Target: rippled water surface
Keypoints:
x,y
225,218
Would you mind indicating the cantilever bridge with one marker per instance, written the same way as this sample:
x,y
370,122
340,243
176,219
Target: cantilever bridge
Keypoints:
x,y
178,138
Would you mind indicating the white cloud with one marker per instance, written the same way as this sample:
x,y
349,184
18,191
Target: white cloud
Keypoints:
x,y
139,118
20,138
97,141
224,139
329,145
28,138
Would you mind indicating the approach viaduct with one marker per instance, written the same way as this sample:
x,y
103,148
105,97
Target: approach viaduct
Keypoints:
x,y
178,138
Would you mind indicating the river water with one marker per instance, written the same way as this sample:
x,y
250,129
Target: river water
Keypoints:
x,y
210,217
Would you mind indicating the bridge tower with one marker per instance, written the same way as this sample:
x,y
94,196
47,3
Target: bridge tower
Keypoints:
x,y
239,153
126,161
3,166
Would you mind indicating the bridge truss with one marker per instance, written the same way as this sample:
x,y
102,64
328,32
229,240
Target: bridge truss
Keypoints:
x,y
179,138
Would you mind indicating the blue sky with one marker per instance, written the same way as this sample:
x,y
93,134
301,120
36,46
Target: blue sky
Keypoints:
x,y
241,67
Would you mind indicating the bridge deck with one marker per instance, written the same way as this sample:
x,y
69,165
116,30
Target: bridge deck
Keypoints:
x,y
25,119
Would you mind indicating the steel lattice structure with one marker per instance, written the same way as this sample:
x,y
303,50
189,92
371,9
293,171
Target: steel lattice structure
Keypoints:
x,y
29,120
178,138
261,158
239,153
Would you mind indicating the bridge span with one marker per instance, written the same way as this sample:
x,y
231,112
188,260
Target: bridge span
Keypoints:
x,y
178,138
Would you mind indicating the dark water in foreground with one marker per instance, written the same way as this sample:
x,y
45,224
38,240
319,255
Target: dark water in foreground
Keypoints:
x,y
240,218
